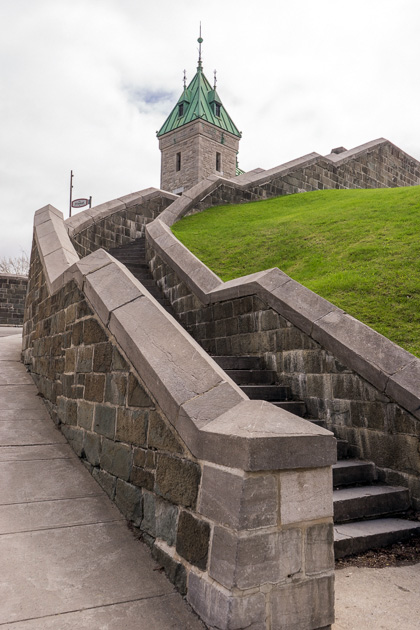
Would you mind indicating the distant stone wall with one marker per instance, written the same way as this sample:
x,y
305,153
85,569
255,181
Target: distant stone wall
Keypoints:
x,y
233,496
116,222
12,299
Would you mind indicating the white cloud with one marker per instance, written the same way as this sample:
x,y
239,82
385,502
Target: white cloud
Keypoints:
x,y
85,84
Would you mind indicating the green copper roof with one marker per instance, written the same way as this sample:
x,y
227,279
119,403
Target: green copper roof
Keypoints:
x,y
199,100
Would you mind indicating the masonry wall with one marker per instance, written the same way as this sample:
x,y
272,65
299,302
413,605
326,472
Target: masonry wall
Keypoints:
x,y
12,299
169,436
376,427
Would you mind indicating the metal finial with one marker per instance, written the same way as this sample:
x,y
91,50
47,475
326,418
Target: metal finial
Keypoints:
x,y
200,41
185,79
215,79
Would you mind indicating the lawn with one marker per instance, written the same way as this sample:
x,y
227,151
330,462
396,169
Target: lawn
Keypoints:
x,y
359,249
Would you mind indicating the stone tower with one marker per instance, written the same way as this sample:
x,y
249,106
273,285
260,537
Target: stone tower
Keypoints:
x,y
198,138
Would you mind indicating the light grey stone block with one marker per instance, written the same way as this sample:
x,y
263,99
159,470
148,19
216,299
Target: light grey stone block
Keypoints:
x,y
319,548
219,609
304,605
305,495
404,387
231,498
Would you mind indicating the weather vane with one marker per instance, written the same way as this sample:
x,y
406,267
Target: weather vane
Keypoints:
x,y
185,79
215,79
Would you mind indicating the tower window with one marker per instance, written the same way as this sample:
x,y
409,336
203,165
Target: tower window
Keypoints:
x,y
178,162
217,109
181,109
218,162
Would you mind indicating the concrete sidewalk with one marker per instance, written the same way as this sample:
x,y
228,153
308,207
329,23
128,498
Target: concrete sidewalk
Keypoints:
x,y
67,558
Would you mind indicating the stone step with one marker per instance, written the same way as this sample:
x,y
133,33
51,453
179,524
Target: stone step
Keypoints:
x,y
352,504
239,363
319,423
347,472
267,392
297,407
342,449
248,377
352,538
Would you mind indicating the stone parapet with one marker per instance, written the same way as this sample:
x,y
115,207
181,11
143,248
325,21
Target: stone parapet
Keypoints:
x,y
12,299
234,496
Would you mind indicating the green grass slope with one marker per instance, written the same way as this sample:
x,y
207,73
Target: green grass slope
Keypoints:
x,y
359,249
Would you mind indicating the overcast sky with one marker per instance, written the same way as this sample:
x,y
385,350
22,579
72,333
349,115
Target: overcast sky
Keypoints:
x,y
85,84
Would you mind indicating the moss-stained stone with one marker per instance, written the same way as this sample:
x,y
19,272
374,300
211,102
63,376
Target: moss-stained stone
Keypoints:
x,y
104,422
102,357
129,501
132,427
93,332
160,435
116,459
94,387
116,388
192,541
137,397
177,480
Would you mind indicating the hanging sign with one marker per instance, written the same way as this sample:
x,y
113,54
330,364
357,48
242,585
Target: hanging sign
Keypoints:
x,y
79,203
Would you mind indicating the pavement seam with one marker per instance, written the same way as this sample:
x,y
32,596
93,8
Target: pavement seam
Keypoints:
x,y
77,610
43,529
82,496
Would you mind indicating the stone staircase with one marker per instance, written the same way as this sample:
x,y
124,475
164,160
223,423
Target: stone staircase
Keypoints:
x,y
367,514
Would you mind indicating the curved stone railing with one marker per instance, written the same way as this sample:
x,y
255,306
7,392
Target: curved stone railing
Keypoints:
x,y
233,495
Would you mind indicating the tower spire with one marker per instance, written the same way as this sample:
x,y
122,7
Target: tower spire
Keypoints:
x,y
200,41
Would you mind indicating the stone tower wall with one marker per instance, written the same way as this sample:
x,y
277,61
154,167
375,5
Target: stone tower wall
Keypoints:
x,y
198,143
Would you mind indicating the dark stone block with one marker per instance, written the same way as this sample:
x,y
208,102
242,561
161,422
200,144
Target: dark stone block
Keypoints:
x,y
142,478
93,332
102,357
175,571
116,459
92,448
115,388
94,387
192,541
128,499
132,426
160,436
137,396
177,480
105,418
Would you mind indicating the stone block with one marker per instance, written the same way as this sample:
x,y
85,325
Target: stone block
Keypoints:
x,y
137,396
116,459
247,561
93,332
84,359
74,436
132,426
174,570
403,387
166,521
94,387
128,499
104,420
177,480
118,361
148,523
220,609
160,436
319,548
305,495
231,498
102,358
116,388
67,410
106,481
192,540
92,448
142,478
304,605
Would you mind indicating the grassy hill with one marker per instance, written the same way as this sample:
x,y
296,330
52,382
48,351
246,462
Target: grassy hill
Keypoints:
x,y
359,249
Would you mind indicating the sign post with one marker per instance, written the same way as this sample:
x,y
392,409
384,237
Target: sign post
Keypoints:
x,y
77,203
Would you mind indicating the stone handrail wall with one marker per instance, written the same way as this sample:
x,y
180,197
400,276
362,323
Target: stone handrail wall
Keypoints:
x,y
12,299
362,384
234,496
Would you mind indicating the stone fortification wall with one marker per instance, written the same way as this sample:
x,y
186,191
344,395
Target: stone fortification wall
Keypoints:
x,y
234,496
12,299
116,222
363,385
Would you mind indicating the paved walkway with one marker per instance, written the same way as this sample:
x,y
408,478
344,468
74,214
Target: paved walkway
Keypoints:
x,y
67,558
68,561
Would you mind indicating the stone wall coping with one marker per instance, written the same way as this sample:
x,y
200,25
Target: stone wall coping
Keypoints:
x,y
384,364
12,276
212,415
82,220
